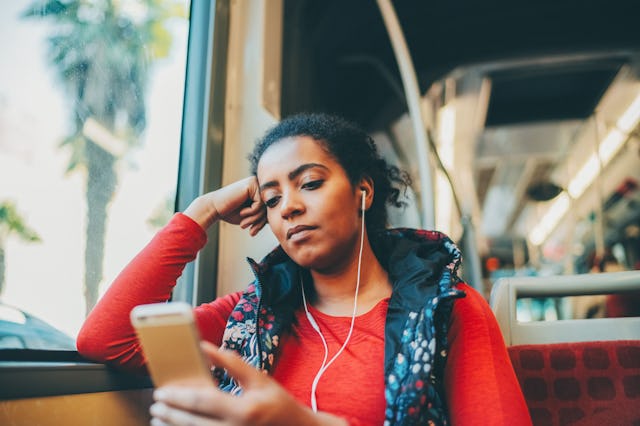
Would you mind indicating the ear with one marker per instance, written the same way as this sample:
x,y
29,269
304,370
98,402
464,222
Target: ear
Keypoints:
x,y
366,185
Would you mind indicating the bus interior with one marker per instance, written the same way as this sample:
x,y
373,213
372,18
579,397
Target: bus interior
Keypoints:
x,y
518,123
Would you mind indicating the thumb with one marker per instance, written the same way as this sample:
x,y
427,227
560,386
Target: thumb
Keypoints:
x,y
243,373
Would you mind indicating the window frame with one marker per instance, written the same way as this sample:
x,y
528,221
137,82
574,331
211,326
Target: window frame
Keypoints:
x,y
201,148
40,373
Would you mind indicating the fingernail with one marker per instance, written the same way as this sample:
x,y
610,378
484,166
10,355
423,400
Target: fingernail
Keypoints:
x,y
159,394
157,409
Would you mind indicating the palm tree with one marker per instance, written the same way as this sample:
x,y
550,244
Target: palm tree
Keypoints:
x,y
103,53
11,223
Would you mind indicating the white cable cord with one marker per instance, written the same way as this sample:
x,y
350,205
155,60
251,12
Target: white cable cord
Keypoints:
x,y
316,327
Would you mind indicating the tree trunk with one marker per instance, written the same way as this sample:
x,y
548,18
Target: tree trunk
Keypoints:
x,y
101,182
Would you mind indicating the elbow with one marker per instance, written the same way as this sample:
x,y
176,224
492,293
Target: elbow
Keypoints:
x,y
89,345
93,342
98,346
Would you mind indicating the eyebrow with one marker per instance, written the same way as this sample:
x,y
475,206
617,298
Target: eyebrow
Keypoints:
x,y
293,174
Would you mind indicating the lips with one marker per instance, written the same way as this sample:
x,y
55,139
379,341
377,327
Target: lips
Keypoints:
x,y
297,229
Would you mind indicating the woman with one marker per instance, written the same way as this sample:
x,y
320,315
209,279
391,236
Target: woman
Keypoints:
x,y
352,323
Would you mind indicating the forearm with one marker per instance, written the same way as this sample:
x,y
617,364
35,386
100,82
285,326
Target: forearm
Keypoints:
x,y
107,334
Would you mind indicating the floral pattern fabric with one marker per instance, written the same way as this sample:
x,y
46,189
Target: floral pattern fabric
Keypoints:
x,y
413,384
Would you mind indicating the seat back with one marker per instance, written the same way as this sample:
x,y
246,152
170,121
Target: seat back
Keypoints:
x,y
573,372
580,383
507,291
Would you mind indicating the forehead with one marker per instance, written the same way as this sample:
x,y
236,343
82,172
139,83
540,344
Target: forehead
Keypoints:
x,y
291,152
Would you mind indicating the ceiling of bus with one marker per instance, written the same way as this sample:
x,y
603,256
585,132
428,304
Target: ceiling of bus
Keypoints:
x,y
548,92
549,63
349,66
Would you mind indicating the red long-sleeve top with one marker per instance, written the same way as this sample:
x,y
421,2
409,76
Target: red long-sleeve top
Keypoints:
x,y
480,384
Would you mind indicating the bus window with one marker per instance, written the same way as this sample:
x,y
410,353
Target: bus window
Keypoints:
x,y
90,122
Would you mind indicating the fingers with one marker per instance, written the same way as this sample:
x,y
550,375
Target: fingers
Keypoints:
x,y
246,375
173,401
254,205
166,415
254,224
178,405
256,227
240,203
256,208
254,217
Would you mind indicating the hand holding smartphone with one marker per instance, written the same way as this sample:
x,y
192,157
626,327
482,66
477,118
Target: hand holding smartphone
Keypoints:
x,y
171,344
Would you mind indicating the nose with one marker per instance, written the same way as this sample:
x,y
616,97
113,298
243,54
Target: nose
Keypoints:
x,y
291,205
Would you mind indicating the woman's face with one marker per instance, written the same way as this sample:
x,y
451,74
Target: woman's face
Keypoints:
x,y
312,207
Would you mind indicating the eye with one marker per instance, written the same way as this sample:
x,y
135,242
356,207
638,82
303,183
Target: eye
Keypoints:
x,y
311,185
272,202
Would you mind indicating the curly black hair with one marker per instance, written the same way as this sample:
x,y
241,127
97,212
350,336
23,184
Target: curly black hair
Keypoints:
x,y
354,150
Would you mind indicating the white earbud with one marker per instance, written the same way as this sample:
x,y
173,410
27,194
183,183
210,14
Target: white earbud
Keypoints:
x,y
325,362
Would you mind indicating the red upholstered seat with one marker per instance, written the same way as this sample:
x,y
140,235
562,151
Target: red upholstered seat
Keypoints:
x,y
581,383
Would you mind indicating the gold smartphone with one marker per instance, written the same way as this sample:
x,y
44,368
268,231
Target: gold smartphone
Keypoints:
x,y
171,344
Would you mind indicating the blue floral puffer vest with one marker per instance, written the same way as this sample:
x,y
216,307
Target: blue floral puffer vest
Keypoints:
x,y
422,268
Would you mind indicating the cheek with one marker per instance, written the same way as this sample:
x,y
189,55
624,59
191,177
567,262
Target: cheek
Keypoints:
x,y
343,218
275,223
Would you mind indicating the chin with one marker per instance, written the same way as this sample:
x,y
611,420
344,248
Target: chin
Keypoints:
x,y
325,264
309,258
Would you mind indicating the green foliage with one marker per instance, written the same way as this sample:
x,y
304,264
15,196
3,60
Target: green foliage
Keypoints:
x,y
11,223
77,144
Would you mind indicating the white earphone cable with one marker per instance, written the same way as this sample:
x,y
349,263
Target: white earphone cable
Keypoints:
x,y
325,364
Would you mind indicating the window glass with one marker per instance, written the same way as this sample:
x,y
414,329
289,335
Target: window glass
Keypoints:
x,y
90,118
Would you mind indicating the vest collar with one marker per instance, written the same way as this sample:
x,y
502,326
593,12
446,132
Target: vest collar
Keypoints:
x,y
414,260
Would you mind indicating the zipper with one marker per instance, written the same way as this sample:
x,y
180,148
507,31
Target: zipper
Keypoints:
x,y
259,308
